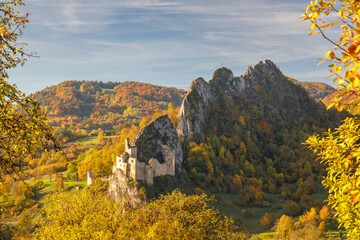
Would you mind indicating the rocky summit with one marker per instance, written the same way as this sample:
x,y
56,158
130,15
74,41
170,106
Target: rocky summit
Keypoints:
x,y
264,85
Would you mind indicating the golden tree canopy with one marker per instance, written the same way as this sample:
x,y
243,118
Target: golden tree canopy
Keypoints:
x,y
23,127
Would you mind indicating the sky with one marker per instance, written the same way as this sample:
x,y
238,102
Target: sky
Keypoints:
x,y
164,42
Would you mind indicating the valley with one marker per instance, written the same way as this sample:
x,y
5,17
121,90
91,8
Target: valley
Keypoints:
x,y
241,138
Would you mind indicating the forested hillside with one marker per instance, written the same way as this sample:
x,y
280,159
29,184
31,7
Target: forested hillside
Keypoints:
x,y
325,93
249,152
353,108
88,117
86,108
243,138
316,90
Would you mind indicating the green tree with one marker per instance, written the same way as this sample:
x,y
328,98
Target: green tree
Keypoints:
x,y
292,208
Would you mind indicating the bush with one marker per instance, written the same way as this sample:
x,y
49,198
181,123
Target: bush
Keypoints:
x,y
267,221
21,203
198,191
246,213
192,217
292,208
59,183
38,185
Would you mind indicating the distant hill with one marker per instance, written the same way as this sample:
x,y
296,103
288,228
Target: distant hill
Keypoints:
x,y
82,108
353,109
325,93
316,90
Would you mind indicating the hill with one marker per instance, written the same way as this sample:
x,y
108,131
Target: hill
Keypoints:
x,y
325,93
242,139
85,108
353,108
316,90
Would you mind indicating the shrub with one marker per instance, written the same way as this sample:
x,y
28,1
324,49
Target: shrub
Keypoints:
x,y
246,213
292,208
267,221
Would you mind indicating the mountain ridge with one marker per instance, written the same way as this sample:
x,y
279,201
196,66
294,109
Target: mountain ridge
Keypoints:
x,y
257,84
242,135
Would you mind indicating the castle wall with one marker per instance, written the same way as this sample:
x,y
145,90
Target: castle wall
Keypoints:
x,y
131,167
158,169
140,171
149,174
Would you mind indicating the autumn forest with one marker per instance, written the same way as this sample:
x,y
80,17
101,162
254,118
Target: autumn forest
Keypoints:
x,y
263,155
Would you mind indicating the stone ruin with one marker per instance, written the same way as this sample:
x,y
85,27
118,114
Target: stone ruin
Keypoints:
x,y
130,166
90,178
156,151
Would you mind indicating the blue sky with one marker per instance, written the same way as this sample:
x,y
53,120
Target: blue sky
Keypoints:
x,y
166,42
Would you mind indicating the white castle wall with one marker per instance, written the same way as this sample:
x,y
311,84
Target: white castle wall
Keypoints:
x,y
131,167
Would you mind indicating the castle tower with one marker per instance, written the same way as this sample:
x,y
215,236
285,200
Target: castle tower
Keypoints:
x,y
132,151
90,178
169,155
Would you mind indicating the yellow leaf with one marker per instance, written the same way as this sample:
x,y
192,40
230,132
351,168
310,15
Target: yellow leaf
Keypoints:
x,y
341,81
331,54
313,26
343,15
320,62
337,69
356,82
313,33
347,65
330,105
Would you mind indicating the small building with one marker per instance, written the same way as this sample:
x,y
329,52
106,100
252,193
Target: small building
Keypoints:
x,y
90,178
130,166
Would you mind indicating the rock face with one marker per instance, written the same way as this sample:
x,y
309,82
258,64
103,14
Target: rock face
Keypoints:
x,y
193,110
153,140
264,77
155,151
121,191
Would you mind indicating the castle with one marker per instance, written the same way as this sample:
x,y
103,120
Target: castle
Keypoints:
x,y
130,166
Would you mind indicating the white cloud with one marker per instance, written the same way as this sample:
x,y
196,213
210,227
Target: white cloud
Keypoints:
x,y
164,38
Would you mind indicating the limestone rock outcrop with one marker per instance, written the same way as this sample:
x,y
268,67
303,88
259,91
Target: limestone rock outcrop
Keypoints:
x,y
263,85
193,110
154,153
121,191
152,139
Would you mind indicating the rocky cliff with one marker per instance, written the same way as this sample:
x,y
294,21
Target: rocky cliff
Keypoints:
x,y
152,138
263,85
159,140
124,190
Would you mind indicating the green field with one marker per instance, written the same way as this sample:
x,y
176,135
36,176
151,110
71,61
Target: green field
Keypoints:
x,y
267,235
226,203
41,196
